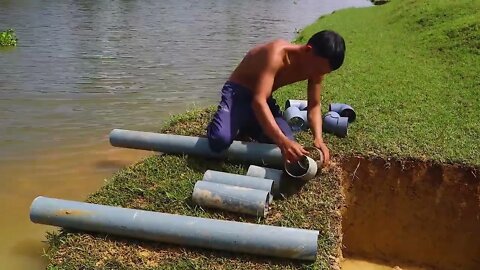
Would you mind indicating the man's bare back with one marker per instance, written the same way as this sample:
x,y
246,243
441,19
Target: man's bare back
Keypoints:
x,y
247,95
277,55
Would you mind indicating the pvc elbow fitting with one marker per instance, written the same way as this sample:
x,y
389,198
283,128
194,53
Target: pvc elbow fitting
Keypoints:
x,y
334,123
343,110
295,118
300,104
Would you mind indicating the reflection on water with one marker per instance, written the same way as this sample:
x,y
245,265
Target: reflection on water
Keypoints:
x,y
83,68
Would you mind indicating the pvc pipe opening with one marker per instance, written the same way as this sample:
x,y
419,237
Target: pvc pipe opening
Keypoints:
x,y
344,110
295,118
300,104
305,168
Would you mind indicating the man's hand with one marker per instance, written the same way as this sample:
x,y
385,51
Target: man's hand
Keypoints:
x,y
292,151
323,147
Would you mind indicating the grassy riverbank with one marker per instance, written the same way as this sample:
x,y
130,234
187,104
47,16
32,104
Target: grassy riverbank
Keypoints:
x,y
411,73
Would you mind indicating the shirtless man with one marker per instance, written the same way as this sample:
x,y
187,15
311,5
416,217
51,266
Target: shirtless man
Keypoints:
x,y
247,106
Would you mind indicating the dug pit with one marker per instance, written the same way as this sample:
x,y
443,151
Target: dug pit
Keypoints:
x,y
411,213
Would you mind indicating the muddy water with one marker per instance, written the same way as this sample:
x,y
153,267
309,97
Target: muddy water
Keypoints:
x,y
85,67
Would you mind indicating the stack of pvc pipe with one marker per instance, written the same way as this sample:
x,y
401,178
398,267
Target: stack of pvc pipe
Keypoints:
x,y
234,192
334,121
222,235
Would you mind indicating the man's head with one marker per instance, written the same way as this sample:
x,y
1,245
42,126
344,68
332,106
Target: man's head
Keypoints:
x,y
326,46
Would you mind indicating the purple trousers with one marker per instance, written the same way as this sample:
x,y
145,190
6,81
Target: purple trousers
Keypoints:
x,y
235,117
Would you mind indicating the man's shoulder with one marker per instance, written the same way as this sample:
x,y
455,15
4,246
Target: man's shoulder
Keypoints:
x,y
280,43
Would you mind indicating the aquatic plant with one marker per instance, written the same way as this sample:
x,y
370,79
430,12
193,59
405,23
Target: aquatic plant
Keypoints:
x,y
8,38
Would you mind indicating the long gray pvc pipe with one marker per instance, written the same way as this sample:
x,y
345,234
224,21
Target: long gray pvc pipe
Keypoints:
x,y
175,229
238,180
253,153
232,198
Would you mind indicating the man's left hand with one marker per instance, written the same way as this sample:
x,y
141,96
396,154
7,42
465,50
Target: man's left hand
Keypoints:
x,y
320,144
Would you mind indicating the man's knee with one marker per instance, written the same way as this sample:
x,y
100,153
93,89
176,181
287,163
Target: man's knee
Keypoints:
x,y
218,140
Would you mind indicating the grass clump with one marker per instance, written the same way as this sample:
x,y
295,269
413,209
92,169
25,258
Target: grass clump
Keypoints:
x,y
8,38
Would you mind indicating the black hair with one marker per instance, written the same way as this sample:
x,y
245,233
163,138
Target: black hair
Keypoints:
x,y
330,45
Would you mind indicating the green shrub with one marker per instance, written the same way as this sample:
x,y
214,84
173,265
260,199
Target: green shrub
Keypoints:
x,y
8,38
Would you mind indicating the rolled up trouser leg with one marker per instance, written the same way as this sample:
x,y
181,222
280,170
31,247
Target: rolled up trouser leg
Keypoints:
x,y
268,173
222,235
232,198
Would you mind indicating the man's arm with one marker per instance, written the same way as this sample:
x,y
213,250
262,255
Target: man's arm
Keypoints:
x,y
261,109
291,150
315,115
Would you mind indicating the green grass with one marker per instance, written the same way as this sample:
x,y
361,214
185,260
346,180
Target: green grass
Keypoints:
x,y
411,73
8,38
164,183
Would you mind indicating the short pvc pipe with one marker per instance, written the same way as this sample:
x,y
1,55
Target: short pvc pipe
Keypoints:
x,y
267,173
222,235
249,152
300,104
304,169
232,198
295,119
344,110
239,180
334,123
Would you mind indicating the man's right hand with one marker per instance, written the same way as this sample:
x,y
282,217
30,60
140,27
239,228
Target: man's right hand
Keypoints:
x,y
291,150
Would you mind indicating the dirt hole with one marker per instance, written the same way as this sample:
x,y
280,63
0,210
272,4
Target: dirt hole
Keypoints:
x,y
411,213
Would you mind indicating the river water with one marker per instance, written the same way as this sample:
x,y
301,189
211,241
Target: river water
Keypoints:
x,y
82,68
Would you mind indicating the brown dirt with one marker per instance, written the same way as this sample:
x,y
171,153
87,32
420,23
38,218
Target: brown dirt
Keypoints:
x,y
412,212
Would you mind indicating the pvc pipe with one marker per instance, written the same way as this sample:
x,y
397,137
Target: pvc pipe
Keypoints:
x,y
333,123
344,110
175,229
238,180
232,198
253,153
304,169
304,115
267,173
294,118
300,104
316,154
